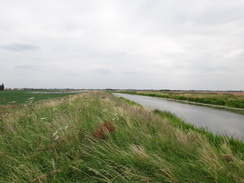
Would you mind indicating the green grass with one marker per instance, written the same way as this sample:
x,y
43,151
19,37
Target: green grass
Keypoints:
x,y
53,141
130,102
216,140
204,98
21,96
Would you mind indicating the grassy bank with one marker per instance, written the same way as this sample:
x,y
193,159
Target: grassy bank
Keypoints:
x,y
96,137
221,99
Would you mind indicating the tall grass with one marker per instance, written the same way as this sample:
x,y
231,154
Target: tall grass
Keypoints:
x,y
54,141
216,140
204,98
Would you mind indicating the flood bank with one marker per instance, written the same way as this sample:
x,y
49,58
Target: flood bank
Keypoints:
x,y
217,121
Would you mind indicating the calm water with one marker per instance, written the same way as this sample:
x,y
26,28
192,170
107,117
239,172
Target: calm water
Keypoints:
x,y
215,120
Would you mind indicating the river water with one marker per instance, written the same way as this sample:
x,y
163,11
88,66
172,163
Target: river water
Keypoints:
x,y
215,120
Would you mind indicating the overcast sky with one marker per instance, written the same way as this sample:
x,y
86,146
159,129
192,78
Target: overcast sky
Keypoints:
x,y
140,44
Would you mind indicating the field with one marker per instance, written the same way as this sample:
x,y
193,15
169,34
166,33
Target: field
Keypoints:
x,y
226,99
96,137
22,96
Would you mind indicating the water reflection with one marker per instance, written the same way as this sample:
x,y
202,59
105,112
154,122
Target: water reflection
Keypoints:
x,y
215,120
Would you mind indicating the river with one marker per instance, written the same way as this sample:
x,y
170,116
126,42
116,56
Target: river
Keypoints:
x,y
215,120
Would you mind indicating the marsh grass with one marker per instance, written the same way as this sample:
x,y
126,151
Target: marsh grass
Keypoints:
x,y
53,141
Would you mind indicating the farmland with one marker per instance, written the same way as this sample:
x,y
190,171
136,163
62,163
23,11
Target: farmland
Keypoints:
x,y
21,96
96,137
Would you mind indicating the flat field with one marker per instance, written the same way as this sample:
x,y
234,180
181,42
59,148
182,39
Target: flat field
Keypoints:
x,y
96,137
22,96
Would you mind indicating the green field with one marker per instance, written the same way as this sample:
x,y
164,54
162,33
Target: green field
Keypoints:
x,y
21,96
96,137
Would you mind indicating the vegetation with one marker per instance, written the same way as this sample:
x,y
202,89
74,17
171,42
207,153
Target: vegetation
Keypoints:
x,y
215,140
96,137
21,96
2,86
129,101
221,99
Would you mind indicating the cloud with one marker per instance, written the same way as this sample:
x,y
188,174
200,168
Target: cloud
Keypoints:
x,y
103,71
20,47
125,44
24,67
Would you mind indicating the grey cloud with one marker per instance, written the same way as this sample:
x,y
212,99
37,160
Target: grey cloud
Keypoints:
x,y
118,54
210,15
103,71
135,44
221,15
20,47
130,73
28,68
181,18
68,26
5,26
24,67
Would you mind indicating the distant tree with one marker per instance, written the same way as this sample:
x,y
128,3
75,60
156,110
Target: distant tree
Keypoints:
x,y
2,87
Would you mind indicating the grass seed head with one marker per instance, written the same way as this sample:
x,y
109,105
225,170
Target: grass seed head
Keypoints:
x,y
39,178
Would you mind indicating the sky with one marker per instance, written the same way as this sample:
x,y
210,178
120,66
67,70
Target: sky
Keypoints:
x,y
122,44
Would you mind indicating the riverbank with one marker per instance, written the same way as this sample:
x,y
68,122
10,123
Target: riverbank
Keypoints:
x,y
217,121
96,137
221,100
